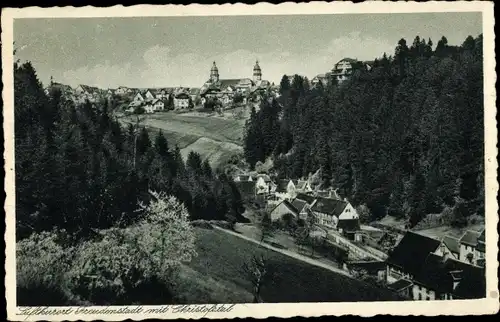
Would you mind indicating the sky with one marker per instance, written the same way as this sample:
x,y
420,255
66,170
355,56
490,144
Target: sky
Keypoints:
x,y
179,51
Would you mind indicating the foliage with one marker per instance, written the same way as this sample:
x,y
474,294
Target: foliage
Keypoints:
x,y
41,261
257,271
404,138
112,269
78,169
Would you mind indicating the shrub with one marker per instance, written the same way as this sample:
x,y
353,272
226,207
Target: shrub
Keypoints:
x,y
42,261
136,264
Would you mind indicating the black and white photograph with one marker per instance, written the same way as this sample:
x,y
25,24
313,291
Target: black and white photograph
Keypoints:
x,y
250,158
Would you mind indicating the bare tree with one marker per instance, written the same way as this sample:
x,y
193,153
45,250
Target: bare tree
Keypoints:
x,y
257,272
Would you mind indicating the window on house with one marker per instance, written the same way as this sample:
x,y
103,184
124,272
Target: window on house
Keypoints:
x,y
419,296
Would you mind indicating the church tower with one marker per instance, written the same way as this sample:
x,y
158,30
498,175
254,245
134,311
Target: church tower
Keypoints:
x,y
214,74
257,72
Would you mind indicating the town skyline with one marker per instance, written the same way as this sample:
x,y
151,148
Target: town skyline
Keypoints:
x,y
179,51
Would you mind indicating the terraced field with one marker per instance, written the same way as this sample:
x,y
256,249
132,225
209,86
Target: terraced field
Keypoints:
x,y
212,137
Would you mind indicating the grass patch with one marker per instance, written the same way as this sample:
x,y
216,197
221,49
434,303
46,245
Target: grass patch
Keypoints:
x,y
221,256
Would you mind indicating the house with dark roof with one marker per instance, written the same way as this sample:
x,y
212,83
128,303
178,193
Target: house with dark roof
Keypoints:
x,y
328,211
468,245
481,249
446,278
283,208
406,258
449,246
348,227
344,69
302,207
285,189
306,197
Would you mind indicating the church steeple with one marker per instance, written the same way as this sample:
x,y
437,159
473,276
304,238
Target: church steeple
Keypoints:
x,y
214,73
257,72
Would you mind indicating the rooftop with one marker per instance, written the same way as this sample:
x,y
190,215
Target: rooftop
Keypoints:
x,y
329,206
399,285
470,238
412,251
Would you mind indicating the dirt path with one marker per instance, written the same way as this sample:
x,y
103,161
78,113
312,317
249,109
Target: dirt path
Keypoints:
x,y
288,253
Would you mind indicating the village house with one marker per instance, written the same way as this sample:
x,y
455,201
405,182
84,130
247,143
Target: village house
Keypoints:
x,y
450,246
158,105
122,90
85,92
468,247
148,107
321,78
302,208
264,184
349,227
181,101
139,97
282,209
481,249
424,268
405,260
345,68
285,189
329,211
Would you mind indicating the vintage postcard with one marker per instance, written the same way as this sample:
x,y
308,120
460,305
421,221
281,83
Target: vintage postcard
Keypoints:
x,y
230,161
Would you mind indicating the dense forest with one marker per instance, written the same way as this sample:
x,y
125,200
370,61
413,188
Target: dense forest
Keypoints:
x,y
77,169
405,138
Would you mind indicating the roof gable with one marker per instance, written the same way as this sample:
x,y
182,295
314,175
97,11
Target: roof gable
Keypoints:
x,y
470,238
411,252
307,198
329,206
453,244
289,206
349,225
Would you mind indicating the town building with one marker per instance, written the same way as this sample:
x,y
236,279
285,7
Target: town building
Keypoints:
x,y
345,68
264,184
468,247
181,101
283,208
285,189
349,227
328,211
225,90
422,268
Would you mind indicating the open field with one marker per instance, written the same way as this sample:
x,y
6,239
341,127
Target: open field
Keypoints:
x,y
441,231
221,256
215,128
216,151
213,137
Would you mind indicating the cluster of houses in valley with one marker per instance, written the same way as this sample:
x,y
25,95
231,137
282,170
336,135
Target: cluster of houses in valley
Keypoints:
x,y
150,99
414,265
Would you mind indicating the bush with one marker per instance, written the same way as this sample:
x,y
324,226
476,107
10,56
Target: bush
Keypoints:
x,y
136,264
41,264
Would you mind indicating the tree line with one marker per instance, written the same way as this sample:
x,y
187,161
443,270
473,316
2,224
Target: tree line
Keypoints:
x,y
79,170
405,137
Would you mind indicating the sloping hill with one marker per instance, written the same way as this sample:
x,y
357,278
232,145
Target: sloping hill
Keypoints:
x,y
214,138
